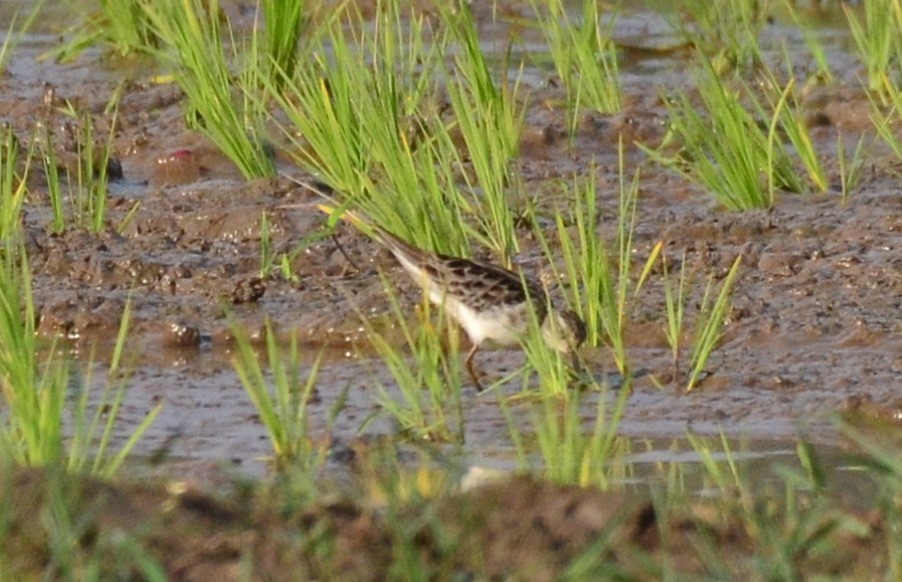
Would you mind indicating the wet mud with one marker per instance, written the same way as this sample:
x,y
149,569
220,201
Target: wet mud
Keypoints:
x,y
815,329
815,318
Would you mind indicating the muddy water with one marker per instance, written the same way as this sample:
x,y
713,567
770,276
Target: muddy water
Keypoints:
x,y
815,322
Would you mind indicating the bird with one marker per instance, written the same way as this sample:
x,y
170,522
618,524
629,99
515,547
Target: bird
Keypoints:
x,y
489,302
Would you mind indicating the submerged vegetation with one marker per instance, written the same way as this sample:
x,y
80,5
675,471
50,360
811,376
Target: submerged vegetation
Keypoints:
x,y
404,113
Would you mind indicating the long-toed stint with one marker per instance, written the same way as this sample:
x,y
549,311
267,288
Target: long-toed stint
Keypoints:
x,y
489,302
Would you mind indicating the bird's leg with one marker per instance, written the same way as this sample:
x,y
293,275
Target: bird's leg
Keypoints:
x,y
469,363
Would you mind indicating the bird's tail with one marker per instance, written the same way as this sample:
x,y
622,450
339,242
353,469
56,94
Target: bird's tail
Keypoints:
x,y
402,249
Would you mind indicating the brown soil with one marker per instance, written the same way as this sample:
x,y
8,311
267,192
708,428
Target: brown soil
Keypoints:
x,y
814,330
519,529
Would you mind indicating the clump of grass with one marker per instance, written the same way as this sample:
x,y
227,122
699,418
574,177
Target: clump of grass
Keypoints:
x,y
850,169
727,31
887,119
709,324
490,122
12,182
92,174
13,34
286,23
599,278
358,118
120,25
803,526
34,398
789,119
86,187
725,149
878,42
584,55
823,71
430,405
282,408
192,43
37,395
570,454
675,299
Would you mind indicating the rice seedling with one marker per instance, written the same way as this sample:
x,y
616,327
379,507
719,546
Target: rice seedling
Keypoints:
x,y
850,170
81,199
51,168
490,122
192,44
13,35
728,31
557,376
569,454
93,422
709,324
675,304
788,116
887,120
90,195
34,398
12,182
584,55
429,405
358,120
823,72
726,150
878,41
121,26
286,24
282,408
599,278
37,394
